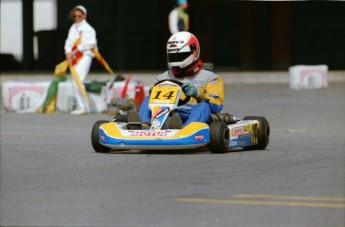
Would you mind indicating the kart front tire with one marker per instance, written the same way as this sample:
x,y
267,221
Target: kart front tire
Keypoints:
x,y
95,138
263,134
219,137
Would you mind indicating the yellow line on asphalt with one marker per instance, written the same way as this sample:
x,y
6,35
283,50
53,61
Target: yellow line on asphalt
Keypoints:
x,y
256,202
305,198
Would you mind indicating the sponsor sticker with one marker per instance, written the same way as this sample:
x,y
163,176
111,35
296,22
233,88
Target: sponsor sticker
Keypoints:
x,y
149,133
199,137
233,143
237,131
160,112
155,124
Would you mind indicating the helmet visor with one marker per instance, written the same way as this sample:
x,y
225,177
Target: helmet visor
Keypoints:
x,y
178,57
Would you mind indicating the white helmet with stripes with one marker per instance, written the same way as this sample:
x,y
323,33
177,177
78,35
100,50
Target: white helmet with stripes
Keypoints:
x,y
183,50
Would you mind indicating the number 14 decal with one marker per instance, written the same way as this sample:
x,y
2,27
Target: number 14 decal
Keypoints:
x,y
166,95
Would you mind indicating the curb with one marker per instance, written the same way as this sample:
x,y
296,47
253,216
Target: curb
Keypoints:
x,y
264,77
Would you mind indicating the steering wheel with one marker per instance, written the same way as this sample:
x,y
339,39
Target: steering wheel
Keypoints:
x,y
181,101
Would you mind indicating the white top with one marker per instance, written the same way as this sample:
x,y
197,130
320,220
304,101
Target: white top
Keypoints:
x,y
173,21
88,40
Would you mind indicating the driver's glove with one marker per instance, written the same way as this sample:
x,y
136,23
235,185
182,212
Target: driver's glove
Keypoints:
x,y
190,90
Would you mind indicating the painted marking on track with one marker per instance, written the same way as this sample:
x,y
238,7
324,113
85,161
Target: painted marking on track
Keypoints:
x,y
284,197
270,202
297,130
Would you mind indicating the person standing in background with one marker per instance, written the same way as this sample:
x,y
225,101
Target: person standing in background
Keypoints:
x,y
79,47
179,18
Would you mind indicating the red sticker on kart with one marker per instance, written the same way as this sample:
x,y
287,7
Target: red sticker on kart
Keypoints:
x,y
237,131
160,112
199,137
149,133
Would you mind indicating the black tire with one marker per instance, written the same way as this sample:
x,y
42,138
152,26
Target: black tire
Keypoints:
x,y
95,138
219,137
263,134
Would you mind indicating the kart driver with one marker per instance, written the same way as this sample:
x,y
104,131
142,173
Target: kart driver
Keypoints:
x,y
204,86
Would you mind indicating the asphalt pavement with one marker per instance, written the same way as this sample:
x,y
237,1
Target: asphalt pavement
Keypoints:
x,y
50,175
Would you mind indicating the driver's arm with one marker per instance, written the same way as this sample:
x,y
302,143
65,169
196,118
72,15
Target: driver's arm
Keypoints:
x,y
214,92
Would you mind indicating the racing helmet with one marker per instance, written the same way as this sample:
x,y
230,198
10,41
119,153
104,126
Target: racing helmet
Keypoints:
x,y
183,50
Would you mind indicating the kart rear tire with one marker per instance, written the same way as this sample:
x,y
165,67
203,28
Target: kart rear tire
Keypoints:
x,y
95,138
219,137
263,134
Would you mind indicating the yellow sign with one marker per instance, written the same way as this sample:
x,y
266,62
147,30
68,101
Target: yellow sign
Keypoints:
x,y
164,94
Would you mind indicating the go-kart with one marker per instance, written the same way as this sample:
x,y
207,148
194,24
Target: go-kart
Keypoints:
x,y
223,134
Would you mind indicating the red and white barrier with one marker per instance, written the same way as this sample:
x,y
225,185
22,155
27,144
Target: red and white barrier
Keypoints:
x,y
24,96
308,76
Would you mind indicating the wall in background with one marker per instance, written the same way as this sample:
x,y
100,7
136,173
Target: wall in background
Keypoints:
x,y
238,35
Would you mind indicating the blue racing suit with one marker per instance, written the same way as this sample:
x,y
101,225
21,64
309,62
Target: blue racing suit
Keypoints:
x,y
211,97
